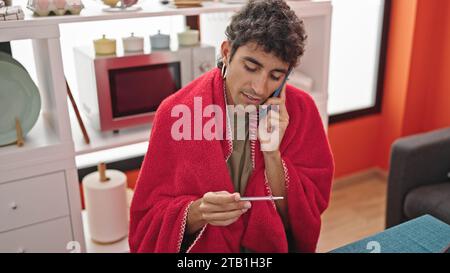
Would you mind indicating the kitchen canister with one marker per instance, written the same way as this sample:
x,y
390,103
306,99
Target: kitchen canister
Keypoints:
x,y
189,37
160,41
105,46
133,43
105,198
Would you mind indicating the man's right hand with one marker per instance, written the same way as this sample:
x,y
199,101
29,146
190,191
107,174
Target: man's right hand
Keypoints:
x,y
215,208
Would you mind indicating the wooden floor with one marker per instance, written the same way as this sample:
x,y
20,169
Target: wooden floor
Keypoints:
x,y
357,210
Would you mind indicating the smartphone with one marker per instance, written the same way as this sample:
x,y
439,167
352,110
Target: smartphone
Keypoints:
x,y
277,92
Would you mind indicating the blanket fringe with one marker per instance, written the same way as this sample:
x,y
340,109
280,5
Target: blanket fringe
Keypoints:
x,y
183,227
196,239
286,174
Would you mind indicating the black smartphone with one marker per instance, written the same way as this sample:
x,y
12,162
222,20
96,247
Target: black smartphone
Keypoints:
x,y
277,92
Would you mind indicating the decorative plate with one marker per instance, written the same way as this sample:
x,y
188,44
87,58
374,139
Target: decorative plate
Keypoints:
x,y
19,98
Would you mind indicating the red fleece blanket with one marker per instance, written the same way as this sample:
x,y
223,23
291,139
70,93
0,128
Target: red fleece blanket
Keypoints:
x,y
177,172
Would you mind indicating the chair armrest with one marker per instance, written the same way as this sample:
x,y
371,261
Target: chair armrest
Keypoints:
x,y
416,160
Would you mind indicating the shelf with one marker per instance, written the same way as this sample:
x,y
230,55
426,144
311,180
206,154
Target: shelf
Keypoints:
x,y
93,12
41,144
105,140
111,155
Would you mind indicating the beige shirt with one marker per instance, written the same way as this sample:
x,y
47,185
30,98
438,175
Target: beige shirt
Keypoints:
x,y
240,162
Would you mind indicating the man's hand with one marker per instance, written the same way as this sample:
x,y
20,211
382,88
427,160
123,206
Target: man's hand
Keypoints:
x,y
271,131
273,126
215,208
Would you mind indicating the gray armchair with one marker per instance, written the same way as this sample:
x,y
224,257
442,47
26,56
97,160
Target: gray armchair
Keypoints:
x,y
418,180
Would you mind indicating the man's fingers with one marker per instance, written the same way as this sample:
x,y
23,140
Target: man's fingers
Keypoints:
x,y
221,197
269,124
273,114
224,223
223,216
273,120
206,207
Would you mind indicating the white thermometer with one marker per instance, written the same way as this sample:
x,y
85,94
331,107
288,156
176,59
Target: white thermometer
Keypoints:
x,y
261,198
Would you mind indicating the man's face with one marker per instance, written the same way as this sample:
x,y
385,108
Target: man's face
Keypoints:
x,y
252,75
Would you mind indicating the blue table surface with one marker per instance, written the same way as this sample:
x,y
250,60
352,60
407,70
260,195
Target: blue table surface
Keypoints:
x,y
425,234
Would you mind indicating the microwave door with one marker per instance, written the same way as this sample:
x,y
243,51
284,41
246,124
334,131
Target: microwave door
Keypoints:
x,y
140,90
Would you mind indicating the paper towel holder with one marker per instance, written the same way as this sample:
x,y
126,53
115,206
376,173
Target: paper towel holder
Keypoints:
x,y
101,167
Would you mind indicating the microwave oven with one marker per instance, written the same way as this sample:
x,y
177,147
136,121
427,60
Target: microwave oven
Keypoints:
x,y
124,90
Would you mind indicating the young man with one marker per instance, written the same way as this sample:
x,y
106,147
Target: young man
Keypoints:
x,y
188,193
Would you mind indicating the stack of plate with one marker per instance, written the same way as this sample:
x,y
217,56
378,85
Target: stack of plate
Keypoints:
x,y
19,98
187,3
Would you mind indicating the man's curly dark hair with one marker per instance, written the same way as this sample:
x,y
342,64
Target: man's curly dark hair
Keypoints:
x,y
272,25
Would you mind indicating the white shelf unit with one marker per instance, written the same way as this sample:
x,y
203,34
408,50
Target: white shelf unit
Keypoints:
x,y
50,221
40,201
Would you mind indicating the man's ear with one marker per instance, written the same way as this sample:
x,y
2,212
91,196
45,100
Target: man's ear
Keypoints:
x,y
225,50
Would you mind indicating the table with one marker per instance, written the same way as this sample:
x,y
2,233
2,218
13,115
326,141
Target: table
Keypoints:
x,y
424,234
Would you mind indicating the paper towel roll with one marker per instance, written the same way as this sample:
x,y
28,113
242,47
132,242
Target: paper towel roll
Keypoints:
x,y
106,205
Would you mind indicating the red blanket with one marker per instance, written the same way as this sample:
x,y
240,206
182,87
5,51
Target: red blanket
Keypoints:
x,y
175,173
